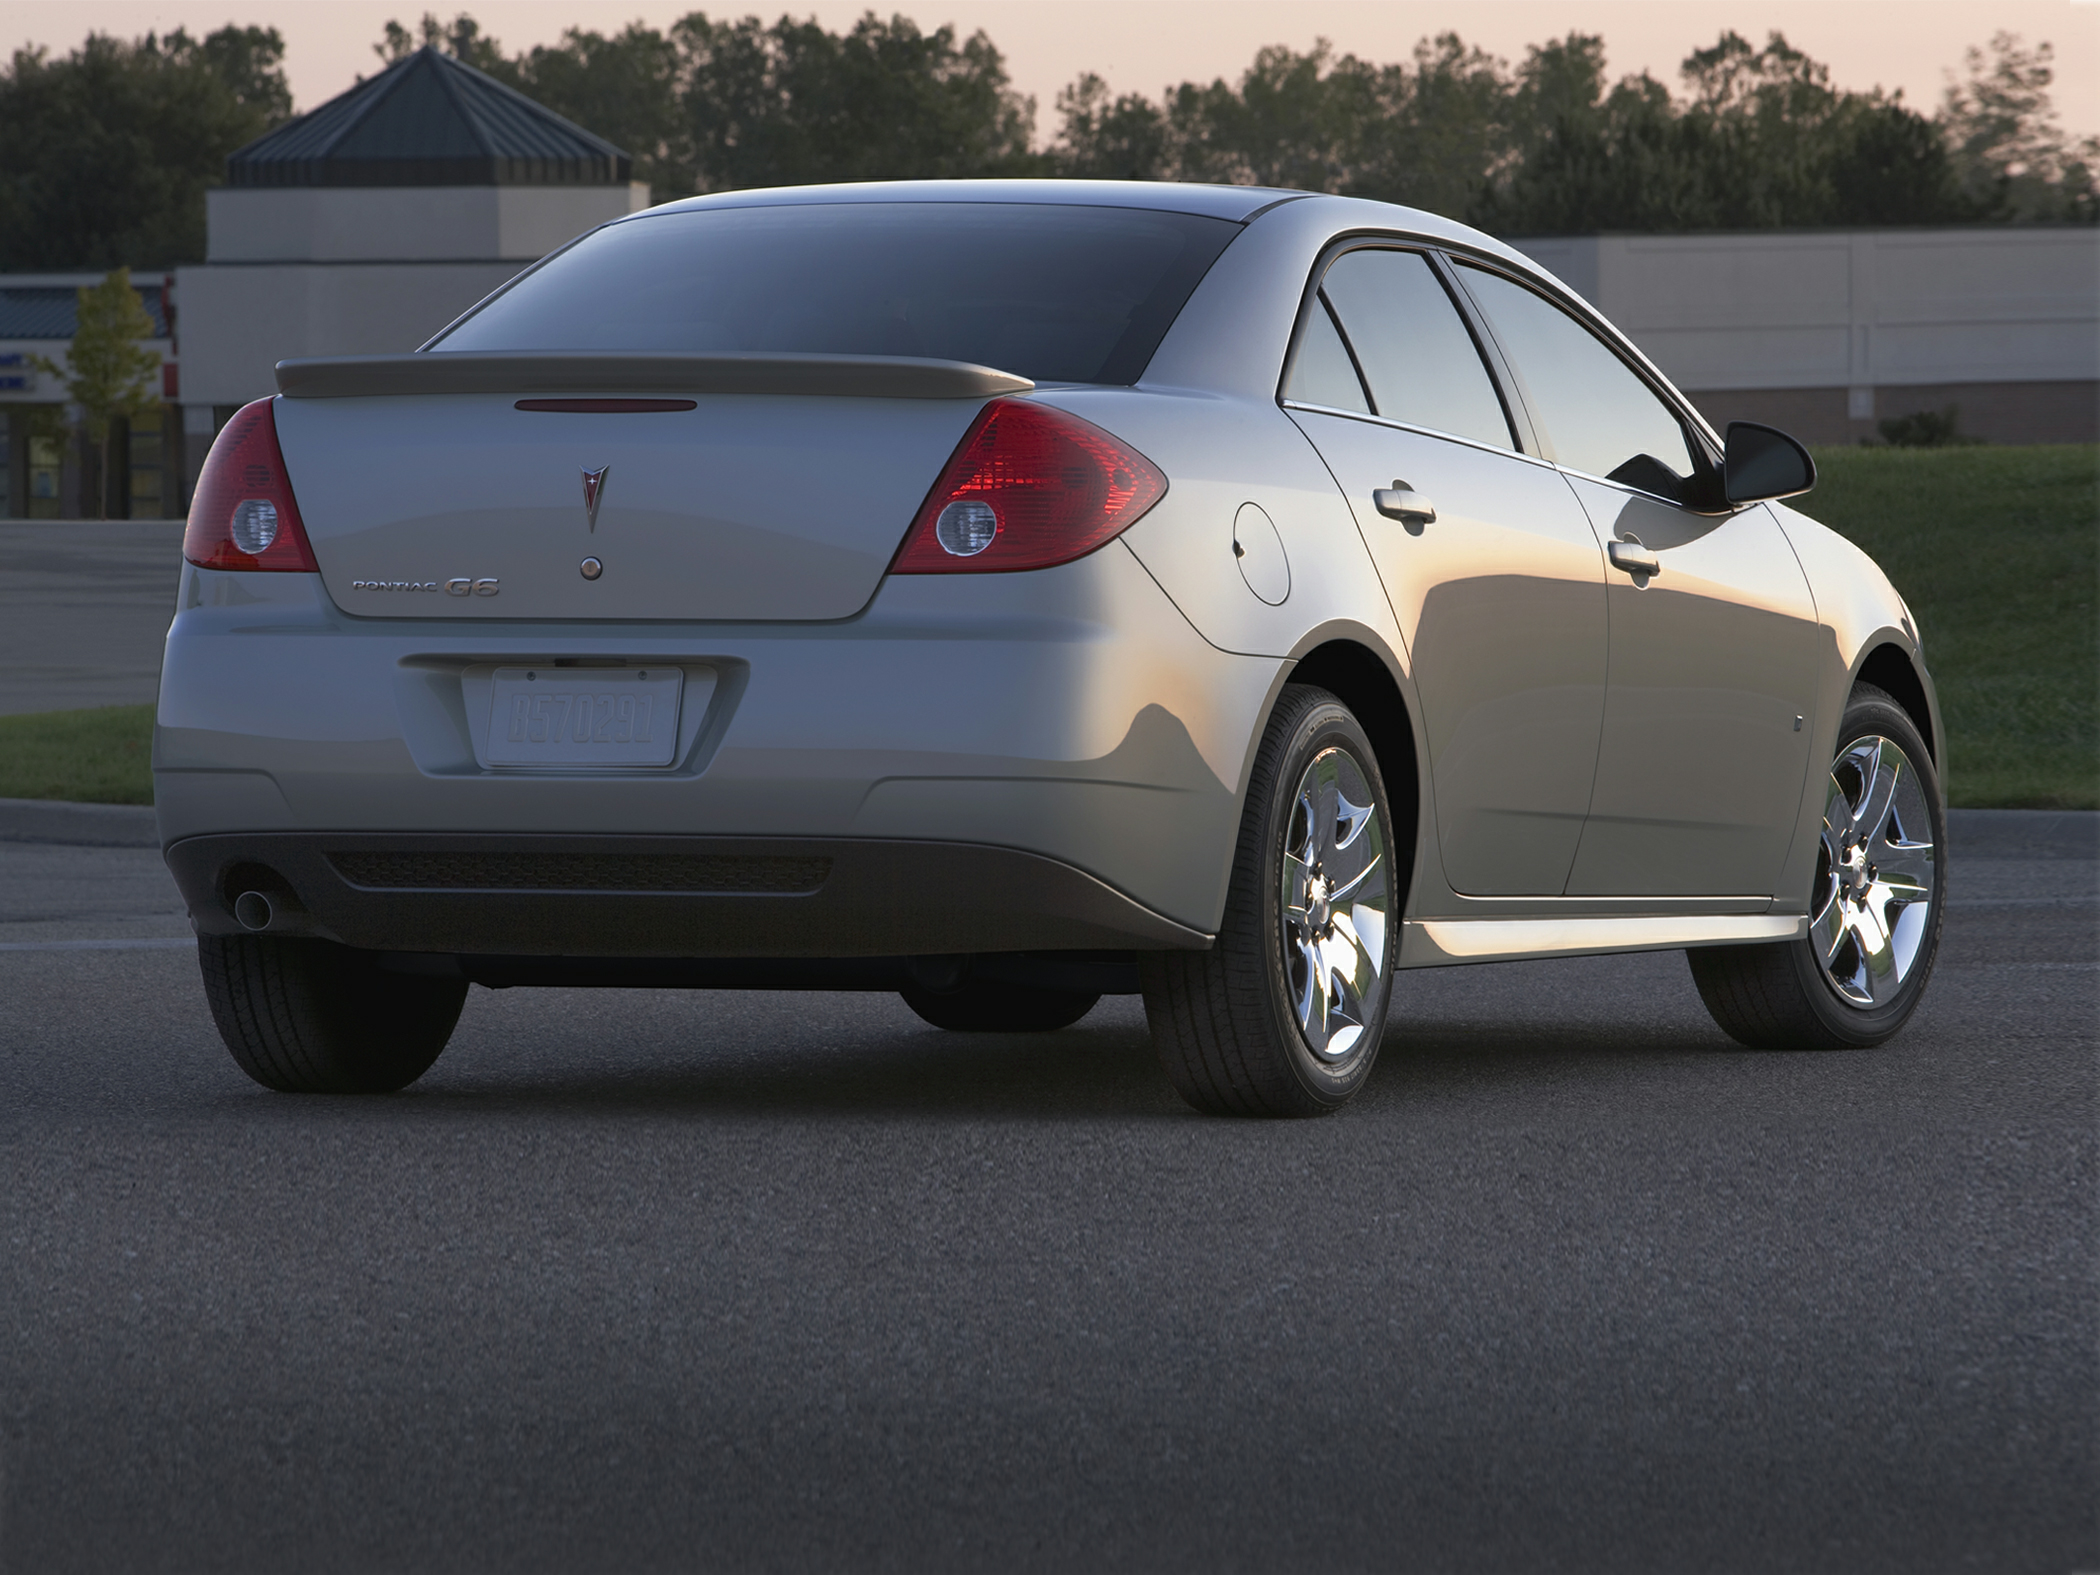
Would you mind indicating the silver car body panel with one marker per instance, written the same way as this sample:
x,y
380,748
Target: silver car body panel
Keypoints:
x,y
1511,725
1713,687
1071,712
755,507
1104,713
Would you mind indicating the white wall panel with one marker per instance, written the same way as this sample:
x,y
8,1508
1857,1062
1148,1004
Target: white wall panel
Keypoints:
x,y
238,322
1855,310
405,223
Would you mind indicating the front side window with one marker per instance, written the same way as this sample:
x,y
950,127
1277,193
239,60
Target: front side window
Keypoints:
x,y
1597,413
1417,357
1055,292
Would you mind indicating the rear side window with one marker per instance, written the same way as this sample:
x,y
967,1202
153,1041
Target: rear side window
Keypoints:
x,y
1056,293
1415,351
1321,372
1598,414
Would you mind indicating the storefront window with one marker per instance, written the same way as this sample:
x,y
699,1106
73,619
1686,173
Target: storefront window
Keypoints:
x,y
147,470
44,466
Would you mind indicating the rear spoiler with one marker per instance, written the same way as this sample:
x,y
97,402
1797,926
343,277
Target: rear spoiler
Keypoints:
x,y
640,372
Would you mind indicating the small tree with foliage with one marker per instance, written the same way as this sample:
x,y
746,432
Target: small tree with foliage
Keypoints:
x,y
108,372
2013,159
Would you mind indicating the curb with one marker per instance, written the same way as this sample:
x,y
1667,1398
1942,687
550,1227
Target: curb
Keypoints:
x,y
78,825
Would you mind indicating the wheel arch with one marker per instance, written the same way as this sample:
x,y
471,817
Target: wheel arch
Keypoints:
x,y
1355,675
1888,667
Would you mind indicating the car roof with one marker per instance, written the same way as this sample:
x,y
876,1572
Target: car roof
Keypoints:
x,y
1236,203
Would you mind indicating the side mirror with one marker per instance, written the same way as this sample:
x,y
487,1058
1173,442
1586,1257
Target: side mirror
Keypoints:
x,y
1763,462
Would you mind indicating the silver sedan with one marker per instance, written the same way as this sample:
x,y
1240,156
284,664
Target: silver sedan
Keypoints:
x,y
1011,593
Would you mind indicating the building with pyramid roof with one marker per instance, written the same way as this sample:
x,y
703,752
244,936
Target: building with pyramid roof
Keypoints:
x,y
367,224
428,120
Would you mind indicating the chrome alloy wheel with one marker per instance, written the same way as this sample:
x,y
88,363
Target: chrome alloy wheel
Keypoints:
x,y
1336,898
1876,878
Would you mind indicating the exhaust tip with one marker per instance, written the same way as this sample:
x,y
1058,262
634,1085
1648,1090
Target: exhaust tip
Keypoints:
x,y
253,910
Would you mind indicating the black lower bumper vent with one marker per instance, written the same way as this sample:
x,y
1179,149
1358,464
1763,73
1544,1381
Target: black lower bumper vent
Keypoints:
x,y
592,872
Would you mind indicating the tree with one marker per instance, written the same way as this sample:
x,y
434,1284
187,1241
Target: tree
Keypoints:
x,y
105,153
1105,138
629,88
108,372
1760,138
2011,158
711,106
1762,141
1430,133
793,103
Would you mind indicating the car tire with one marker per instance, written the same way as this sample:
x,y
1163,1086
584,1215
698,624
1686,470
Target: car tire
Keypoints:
x,y
311,1017
987,1006
1875,909
1282,1016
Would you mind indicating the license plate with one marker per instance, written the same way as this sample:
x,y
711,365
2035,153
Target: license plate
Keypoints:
x,y
566,716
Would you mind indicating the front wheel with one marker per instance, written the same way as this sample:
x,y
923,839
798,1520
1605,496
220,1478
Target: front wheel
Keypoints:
x,y
1282,1016
1875,910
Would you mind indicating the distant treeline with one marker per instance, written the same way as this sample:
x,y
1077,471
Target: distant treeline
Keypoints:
x,y
105,153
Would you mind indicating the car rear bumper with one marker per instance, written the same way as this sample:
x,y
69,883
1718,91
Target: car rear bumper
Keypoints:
x,y
664,897
1069,714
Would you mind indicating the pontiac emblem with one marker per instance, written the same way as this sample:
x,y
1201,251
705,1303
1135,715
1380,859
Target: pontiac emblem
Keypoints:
x,y
593,490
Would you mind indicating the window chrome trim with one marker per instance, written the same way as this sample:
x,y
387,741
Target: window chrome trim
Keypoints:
x,y
1726,509
1523,431
1428,432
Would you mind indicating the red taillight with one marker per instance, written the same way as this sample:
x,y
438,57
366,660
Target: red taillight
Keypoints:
x,y
1029,486
243,515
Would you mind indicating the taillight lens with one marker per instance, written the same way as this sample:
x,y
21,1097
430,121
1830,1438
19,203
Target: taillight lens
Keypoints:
x,y
243,515
1029,486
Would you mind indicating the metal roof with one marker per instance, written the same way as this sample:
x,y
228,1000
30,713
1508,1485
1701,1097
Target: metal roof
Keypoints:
x,y
429,120
48,311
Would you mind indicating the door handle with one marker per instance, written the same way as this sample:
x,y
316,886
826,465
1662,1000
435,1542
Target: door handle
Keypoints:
x,y
1401,502
1631,556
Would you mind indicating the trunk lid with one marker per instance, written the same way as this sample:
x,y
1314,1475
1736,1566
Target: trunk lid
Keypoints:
x,y
769,506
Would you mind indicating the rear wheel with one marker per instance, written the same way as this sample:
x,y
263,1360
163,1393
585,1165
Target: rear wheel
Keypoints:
x,y
311,1017
1874,912
986,1006
1282,1016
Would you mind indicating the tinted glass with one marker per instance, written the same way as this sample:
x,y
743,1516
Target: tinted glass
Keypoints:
x,y
1416,354
1058,294
1322,373
1598,415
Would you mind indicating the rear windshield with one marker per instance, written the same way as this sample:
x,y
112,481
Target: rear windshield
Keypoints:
x,y
1058,294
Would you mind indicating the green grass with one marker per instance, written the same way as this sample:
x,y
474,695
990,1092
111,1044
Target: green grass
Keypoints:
x,y
102,756
1995,550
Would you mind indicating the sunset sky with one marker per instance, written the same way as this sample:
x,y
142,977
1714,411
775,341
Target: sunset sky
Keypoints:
x,y
1143,45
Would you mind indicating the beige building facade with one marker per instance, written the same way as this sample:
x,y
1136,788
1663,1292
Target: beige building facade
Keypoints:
x,y
1827,333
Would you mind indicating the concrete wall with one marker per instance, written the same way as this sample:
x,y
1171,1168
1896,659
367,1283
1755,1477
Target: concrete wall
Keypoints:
x,y
1824,333
238,322
406,223
305,271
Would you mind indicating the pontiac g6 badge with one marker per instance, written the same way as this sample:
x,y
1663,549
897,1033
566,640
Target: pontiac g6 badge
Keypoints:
x,y
463,586
593,490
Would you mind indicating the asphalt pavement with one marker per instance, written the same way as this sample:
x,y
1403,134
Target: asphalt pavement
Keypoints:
x,y
640,1281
